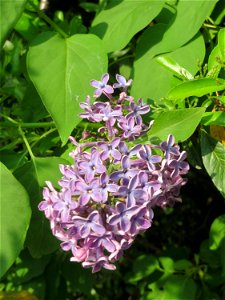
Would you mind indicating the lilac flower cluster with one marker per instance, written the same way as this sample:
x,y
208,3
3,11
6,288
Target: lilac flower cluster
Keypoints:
x,y
107,196
121,117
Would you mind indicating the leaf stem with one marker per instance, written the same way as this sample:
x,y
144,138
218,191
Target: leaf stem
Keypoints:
x,y
25,125
26,143
215,27
43,16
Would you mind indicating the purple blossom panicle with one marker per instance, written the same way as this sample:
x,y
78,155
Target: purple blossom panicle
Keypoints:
x,y
107,196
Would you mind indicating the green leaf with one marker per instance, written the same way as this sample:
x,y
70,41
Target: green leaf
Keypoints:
x,y
15,218
143,266
217,232
121,20
32,111
213,118
213,156
198,87
81,279
150,77
26,267
177,25
174,287
61,70
10,10
210,257
181,123
221,42
182,264
184,23
171,65
11,159
33,175
214,63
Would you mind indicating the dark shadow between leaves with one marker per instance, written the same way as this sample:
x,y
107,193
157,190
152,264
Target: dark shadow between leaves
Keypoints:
x,y
113,4
43,37
99,29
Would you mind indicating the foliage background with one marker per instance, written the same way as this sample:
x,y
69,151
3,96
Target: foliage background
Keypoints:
x,y
174,51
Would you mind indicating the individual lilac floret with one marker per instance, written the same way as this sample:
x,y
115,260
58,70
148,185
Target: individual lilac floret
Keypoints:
x,y
122,83
122,216
169,148
90,224
102,87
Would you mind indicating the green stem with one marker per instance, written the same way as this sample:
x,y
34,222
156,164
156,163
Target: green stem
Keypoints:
x,y
26,143
37,124
26,125
43,136
49,21
215,27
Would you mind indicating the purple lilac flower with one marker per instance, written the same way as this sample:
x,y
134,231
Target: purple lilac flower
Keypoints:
x,y
102,86
109,149
90,224
123,216
122,83
108,194
97,265
137,110
132,192
146,154
106,187
129,127
88,191
126,173
105,241
92,165
141,221
169,148
179,165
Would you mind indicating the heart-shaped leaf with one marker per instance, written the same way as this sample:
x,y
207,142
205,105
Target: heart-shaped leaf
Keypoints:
x,y
61,70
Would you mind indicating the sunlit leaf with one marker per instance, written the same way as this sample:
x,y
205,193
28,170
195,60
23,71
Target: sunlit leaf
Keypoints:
x,y
214,63
198,87
15,218
181,123
221,42
152,80
213,156
171,65
121,20
217,232
61,70
213,118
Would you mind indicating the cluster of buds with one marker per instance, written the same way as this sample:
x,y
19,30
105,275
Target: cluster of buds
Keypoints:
x,y
108,195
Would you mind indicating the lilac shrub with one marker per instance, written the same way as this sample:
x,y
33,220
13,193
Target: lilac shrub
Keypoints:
x,y
108,195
